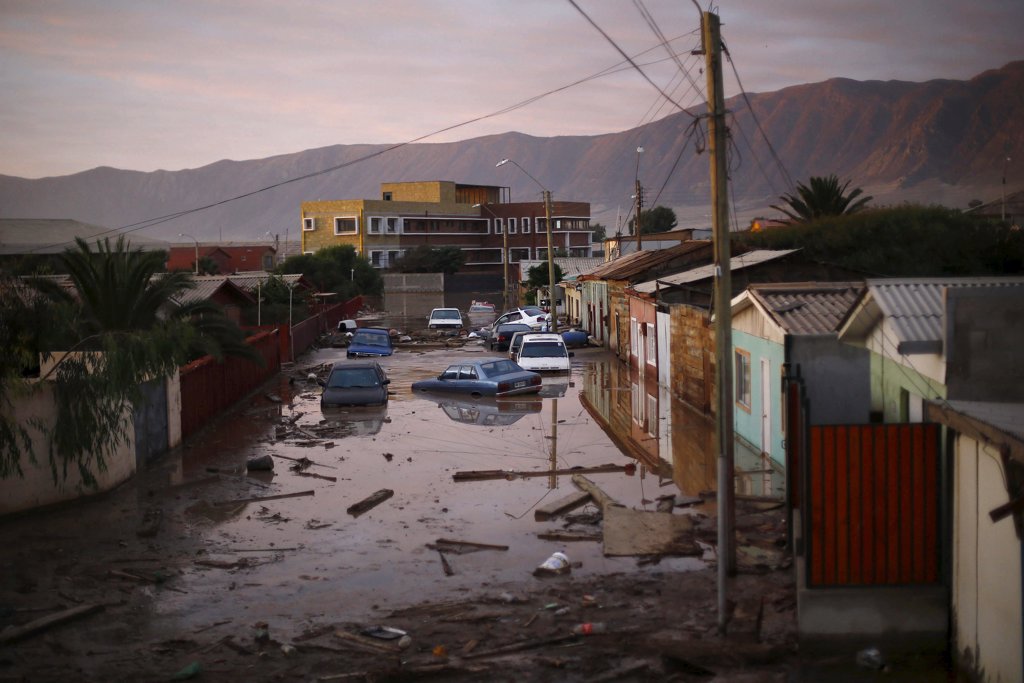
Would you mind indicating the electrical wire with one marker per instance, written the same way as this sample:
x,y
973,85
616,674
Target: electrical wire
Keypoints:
x,y
150,222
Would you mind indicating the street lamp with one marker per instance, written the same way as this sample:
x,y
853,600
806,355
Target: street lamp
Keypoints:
x,y
185,234
551,252
504,253
639,202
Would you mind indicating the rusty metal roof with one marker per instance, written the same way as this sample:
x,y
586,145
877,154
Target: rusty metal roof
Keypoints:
x,y
637,262
572,266
751,258
807,307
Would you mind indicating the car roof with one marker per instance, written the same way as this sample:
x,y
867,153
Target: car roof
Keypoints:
x,y
374,330
541,337
356,365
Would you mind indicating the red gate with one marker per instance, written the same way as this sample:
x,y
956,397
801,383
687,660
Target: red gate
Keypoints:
x,y
871,513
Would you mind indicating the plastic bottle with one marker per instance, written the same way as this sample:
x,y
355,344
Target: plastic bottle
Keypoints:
x,y
589,628
558,563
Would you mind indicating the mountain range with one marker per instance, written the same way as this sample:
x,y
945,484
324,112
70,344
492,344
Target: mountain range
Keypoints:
x,y
937,142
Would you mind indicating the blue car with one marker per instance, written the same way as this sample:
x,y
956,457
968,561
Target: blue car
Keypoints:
x,y
483,378
370,342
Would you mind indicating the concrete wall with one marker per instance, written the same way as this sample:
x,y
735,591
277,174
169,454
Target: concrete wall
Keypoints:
x,y
413,282
987,571
37,488
984,335
837,377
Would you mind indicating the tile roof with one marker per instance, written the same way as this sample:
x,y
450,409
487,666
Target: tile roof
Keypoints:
x,y
751,258
916,306
635,263
807,307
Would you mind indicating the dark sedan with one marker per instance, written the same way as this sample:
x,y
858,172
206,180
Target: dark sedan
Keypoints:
x,y
370,342
355,384
502,335
483,378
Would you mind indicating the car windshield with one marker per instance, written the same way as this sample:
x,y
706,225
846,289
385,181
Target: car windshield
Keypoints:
x,y
370,339
543,350
499,367
445,315
354,378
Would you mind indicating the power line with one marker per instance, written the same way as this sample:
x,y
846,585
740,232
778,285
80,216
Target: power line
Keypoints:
x,y
150,222
628,58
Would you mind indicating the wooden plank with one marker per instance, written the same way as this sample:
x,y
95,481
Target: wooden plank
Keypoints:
x,y
907,486
892,532
570,536
920,516
829,496
561,506
471,544
483,475
602,499
815,485
370,502
881,503
259,499
14,633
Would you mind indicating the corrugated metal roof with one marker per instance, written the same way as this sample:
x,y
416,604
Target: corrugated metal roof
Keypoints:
x,y
1008,417
807,307
248,280
916,306
635,263
572,266
751,258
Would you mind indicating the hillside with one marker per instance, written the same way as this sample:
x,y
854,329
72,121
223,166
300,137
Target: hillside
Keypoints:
x,y
941,141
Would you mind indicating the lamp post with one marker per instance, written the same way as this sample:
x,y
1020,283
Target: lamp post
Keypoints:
x,y
639,202
551,251
185,234
504,255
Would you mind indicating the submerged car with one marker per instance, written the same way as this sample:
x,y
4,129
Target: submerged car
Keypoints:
x,y
540,352
501,337
370,342
444,318
528,315
361,383
483,378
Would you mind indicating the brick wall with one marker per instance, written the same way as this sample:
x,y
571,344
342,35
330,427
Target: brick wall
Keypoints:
x,y
693,356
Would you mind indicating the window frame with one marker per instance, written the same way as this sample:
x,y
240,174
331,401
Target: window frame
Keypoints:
x,y
525,225
355,225
308,223
652,346
743,391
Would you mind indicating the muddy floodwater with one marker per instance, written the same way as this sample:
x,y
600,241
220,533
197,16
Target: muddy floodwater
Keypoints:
x,y
415,448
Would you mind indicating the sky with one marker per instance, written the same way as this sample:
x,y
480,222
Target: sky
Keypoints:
x,y
173,84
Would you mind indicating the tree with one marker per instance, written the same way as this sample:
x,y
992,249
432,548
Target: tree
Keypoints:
x,y
124,324
537,277
336,269
599,233
427,259
658,219
823,196
207,266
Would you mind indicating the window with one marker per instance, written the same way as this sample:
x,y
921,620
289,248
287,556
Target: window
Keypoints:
x,y
742,370
542,253
526,225
345,225
511,226
517,254
652,345
391,225
634,332
308,224
394,255
374,224
376,258
499,228
386,196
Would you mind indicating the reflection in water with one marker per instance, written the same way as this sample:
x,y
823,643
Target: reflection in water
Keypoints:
x,y
669,439
488,412
357,421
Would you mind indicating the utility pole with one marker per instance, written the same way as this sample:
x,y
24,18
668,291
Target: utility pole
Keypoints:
x,y
639,212
551,266
723,312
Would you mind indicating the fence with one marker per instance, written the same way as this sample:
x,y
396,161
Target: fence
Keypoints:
x,y
209,387
872,497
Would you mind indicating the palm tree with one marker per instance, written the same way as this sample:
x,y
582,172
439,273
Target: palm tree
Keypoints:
x,y
132,324
822,197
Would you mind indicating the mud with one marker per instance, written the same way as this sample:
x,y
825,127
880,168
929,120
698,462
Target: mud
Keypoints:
x,y
186,574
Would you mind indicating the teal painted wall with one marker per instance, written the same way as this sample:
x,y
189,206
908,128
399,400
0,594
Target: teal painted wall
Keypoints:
x,y
748,424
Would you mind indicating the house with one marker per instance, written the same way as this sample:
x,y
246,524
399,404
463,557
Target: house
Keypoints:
x,y
477,219
938,338
229,258
619,245
987,582
221,291
606,311
792,326
572,268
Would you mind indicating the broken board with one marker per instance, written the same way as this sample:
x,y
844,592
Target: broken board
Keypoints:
x,y
637,532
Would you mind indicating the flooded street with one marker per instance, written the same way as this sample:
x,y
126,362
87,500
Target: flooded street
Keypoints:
x,y
184,561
